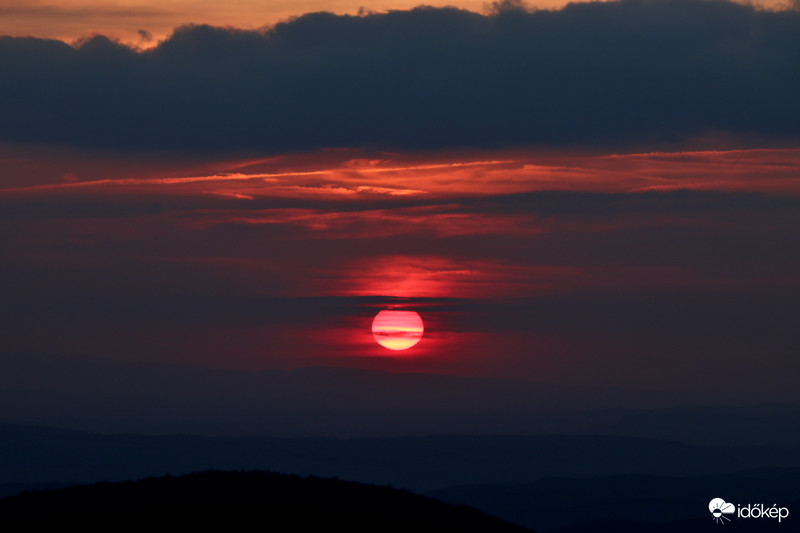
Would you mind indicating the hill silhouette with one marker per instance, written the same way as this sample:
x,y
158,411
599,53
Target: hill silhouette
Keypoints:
x,y
247,498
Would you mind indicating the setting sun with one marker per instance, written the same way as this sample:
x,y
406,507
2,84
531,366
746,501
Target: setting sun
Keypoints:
x,y
397,330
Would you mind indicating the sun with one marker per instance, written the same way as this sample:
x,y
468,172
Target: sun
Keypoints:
x,y
397,330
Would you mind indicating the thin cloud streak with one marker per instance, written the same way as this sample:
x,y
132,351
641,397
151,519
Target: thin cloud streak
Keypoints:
x,y
768,171
265,177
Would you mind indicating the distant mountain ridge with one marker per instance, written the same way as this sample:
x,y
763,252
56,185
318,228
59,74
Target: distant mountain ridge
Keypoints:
x,y
542,482
121,397
43,455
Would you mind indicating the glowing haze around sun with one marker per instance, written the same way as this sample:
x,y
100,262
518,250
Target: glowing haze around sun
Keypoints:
x,y
397,330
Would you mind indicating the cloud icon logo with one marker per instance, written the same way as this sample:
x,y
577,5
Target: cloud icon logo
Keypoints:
x,y
719,508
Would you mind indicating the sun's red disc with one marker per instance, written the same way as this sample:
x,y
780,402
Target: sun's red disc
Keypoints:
x,y
397,330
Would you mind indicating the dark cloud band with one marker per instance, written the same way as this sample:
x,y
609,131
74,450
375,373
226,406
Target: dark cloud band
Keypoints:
x,y
610,72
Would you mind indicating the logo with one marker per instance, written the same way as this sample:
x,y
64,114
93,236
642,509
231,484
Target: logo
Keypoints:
x,y
719,508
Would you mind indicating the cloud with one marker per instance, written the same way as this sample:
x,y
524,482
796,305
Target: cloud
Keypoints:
x,y
588,74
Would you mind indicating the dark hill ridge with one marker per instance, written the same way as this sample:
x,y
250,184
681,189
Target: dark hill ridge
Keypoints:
x,y
250,498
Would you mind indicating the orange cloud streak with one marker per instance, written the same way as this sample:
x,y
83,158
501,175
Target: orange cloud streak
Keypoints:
x,y
769,171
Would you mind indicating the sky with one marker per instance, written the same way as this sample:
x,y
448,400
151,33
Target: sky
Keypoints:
x,y
601,193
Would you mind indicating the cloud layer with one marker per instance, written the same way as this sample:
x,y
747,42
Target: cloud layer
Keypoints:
x,y
594,73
